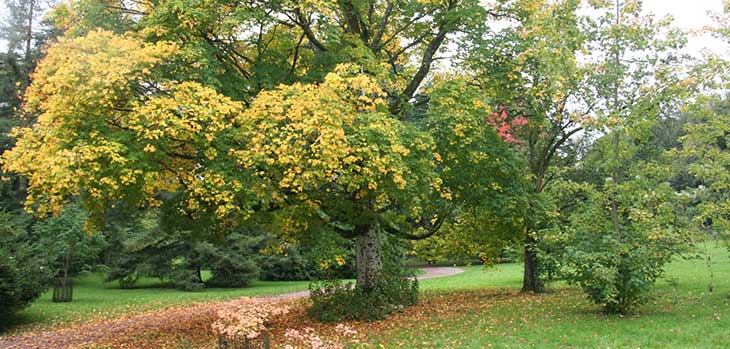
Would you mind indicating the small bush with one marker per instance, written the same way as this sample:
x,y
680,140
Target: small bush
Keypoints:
x,y
333,300
615,274
247,317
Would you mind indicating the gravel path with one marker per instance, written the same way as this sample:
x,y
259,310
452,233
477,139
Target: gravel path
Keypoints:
x,y
438,272
170,320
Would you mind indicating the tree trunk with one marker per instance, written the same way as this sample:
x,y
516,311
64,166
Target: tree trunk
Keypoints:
x,y
531,279
369,257
615,176
29,37
616,136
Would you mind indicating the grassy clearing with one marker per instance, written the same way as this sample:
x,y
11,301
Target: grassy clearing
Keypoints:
x,y
477,277
479,308
683,313
94,299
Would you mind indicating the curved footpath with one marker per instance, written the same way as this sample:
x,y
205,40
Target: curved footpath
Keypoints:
x,y
171,320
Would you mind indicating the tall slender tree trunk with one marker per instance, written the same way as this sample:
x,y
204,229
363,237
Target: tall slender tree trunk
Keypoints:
x,y
531,279
29,34
616,138
369,256
28,41
66,266
615,175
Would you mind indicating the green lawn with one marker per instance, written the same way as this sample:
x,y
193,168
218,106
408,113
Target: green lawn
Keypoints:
x,y
477,277
681,315
94,299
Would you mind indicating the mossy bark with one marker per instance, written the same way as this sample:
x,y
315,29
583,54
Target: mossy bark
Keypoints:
x,y
369,256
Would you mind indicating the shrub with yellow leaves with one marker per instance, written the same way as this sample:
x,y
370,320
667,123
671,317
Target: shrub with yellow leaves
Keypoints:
x,y
248,317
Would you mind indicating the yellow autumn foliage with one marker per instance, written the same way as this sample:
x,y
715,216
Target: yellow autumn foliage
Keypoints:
x,y
112,128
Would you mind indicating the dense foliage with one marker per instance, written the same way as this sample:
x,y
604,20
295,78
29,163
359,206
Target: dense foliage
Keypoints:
x,y
618,271
177,250
65,244
707,148
24,274
25,269
334,300
128,114
301,140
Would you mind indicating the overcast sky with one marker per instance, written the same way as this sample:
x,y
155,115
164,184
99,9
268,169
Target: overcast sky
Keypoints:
x,y
688,14
691,15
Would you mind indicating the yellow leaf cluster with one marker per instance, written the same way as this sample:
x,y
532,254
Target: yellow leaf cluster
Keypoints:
x,y
332,138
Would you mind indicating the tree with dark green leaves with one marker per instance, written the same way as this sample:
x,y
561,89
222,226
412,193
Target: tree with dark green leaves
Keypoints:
x,y
176,249
67,247
24,273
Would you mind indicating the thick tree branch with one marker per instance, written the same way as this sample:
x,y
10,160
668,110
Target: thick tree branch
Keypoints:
x,y
426,61
382,26
431,227
352,18
296,55
401,29
306,25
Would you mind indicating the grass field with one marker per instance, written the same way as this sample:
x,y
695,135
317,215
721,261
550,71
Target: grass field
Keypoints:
x,y
683,314
479,308
94,299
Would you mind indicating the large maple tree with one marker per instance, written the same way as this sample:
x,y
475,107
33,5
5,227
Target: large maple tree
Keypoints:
x,y
301,108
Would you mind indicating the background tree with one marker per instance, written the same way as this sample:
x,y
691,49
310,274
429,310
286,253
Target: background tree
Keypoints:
x,y
530,70
19,28
706,147
164,244
26,272
705,144
25,34
67,248
308,258
481,172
